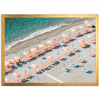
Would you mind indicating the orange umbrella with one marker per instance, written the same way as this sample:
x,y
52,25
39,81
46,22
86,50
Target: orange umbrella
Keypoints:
x,y
7,79
35,66
17,59
82,27
74,30
7,63
65,48
34,49
87,22
41,46
81,41
16,75
26,53
12,60
50,57
49,42
64,35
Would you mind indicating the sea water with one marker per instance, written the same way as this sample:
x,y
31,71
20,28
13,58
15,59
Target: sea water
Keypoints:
x,y
21,29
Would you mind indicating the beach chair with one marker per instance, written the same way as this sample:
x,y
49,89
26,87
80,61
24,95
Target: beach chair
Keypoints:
x,y
66,69
44,67
7,69
17,81
23,80
85,70
73,65
81,60
93,41
68,53
27,76
92,54
75,49
37,71
52,62
60,58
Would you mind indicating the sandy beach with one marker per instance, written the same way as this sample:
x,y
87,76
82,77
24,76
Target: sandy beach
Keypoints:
x,y
55,73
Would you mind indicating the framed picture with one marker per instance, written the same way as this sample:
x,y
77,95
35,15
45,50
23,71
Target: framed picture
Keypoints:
x,y
50,50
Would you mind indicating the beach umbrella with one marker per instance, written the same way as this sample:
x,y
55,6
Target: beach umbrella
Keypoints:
x,y
82,27
81,41
34,49
74,30
86,22
64,35
17,59
7,79
49,42
26,53
50,57
17,75
12,60
41,46
35,66
65,48
7,63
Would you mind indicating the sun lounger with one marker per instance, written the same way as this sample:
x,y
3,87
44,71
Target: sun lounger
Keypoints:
x,y
75,49
93,41
68,53
84,45
44,67
52,62
27,76
81,60
85,70
18,81
7,69
36,71
92,54
23,80
60,58
66,69
73,65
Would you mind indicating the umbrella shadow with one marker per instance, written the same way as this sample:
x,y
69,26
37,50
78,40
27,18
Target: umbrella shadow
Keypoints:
x,y
69,70
23,62
90,72
87,47
73,40
57,62
64,59
72,54
85,61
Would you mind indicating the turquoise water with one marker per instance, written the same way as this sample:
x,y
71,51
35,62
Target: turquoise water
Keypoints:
x,y
20,29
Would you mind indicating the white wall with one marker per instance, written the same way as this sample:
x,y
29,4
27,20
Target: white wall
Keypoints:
x,y
53,7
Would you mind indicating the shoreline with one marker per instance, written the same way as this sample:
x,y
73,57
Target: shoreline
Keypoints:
x,y
25,44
